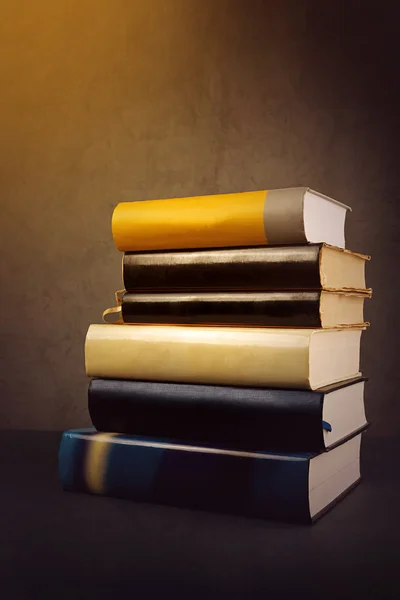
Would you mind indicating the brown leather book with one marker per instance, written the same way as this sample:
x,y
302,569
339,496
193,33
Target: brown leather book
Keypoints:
x,y
267,268
259,309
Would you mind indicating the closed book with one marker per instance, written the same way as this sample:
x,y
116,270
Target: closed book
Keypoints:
x,y
257,357
245,418
271,268
289,487
257,309
284,216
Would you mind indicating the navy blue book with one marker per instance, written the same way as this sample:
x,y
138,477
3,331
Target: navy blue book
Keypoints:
x,y
237,417
289,487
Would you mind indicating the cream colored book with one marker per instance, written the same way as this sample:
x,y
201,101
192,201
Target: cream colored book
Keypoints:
x,y
283,358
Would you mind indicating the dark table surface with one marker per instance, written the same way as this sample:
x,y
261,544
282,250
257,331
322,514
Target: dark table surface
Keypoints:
x,y
56,544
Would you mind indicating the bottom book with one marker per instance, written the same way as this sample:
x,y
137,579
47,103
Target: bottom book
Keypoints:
x,y
288,487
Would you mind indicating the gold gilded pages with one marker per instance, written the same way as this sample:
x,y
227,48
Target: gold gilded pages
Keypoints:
x,y
257,218
288,358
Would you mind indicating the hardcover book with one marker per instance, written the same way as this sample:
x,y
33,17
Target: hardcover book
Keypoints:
x,y
272,268
257,357
290,487
257,309
285,216
241,418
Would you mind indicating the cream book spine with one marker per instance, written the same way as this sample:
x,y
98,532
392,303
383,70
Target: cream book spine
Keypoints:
x,y
290,358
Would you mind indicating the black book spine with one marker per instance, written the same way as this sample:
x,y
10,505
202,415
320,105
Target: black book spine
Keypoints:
x,y
243,418
261,309
232,269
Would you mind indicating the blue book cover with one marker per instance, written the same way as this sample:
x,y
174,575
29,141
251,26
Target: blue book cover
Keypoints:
x,y
256,484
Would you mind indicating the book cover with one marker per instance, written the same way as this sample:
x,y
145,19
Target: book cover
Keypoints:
x,y
262,485
255,309
257,357
285,216
271,268
242,418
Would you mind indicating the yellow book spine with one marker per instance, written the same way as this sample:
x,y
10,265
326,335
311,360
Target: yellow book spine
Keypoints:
x,y
199,222
95,465
209,355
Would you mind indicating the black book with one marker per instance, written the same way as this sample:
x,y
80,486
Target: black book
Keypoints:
x,y
251,309
310,267
239,417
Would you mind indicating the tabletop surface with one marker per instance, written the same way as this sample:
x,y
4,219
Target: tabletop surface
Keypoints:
x,y
56,544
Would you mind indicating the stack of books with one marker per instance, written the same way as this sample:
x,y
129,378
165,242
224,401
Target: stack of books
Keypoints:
x,y
227,378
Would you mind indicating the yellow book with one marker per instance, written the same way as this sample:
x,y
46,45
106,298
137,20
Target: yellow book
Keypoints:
x,y
285,216
285,358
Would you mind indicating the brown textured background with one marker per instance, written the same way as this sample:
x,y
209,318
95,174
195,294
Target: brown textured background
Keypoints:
x,y
107,101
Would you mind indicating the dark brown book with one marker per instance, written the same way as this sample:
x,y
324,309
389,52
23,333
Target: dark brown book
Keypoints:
x,y
259,309
267,268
